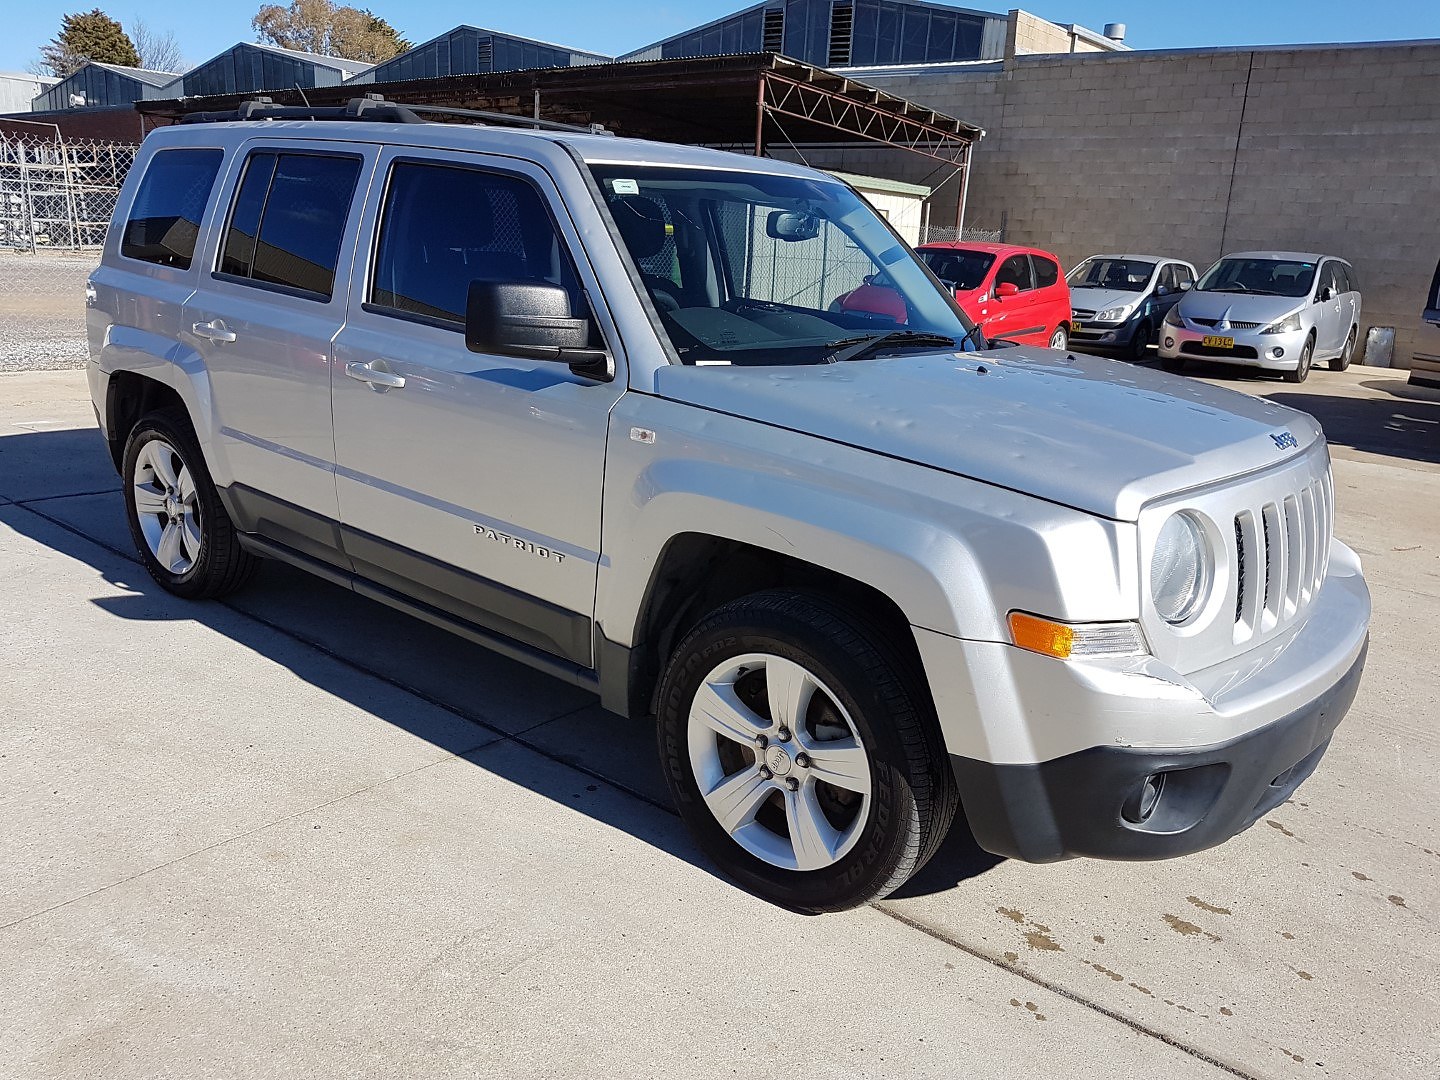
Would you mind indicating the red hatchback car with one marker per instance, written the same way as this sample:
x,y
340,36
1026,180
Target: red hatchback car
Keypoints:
x,y
1016,293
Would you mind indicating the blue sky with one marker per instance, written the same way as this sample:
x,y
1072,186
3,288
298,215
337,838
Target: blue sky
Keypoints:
x,y
204,29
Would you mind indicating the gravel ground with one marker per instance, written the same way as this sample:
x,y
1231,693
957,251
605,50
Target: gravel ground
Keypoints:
x,y
42,310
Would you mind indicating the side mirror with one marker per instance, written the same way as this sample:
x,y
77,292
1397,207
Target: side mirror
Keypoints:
x,y
532,319
1185,286
1006,288
791,225
1162,290
1327,294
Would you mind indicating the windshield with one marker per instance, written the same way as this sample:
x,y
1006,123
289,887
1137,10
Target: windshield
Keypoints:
x,y
1102,272
1262,277
963,270
758,269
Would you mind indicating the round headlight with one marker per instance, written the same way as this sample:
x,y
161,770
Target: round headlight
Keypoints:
x,y
1179,569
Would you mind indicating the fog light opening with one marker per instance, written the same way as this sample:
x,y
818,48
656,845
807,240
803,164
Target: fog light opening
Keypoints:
x,y
1141,803
1169,343
1277,352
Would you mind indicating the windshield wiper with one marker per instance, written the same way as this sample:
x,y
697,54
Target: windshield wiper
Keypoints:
x,y
856,348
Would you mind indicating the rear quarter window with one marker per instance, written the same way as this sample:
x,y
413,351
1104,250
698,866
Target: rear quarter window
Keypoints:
x,y
164,220
1046,272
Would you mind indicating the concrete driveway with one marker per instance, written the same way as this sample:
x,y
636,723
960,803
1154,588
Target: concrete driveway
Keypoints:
x,y
296,834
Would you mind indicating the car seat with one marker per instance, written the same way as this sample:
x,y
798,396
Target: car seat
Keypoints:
x,y
642,224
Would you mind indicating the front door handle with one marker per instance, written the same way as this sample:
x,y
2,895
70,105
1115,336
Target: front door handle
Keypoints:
x,y
215,330
378,378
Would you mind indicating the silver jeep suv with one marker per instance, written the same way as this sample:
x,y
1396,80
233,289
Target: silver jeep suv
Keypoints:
x,y
593,403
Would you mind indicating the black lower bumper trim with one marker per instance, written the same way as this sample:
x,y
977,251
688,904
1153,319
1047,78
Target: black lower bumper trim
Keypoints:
x,y
1095,803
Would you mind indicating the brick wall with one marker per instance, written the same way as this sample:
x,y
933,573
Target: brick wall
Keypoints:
x,y
1193,153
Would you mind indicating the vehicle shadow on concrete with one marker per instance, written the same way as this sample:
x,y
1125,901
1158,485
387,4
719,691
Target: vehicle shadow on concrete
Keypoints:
x,y
465,699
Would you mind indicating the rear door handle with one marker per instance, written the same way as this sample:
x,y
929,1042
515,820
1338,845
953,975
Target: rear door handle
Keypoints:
x,y
378,378
214,331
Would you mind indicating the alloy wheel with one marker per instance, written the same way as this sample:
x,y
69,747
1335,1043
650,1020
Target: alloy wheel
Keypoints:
x,y
166,506
779,762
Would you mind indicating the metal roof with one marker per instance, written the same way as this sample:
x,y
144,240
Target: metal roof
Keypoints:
x,y
144,75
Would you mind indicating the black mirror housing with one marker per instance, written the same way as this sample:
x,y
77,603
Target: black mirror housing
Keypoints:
x,y
532,320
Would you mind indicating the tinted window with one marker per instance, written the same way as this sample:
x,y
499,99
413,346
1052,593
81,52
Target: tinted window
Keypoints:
x,y
1014,271
444,227
165,218
1352,283
1167,277
288,219
1102,272
1046,272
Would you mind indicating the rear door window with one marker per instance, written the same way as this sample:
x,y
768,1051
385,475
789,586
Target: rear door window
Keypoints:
x,y
288,220
1046,272
164,219
1015,271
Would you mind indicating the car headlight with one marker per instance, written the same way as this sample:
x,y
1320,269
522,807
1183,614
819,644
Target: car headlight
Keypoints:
x,y
1114,314
1180,572
1287,325
1172,317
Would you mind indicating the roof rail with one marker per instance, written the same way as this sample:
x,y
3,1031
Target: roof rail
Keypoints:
x,y
374,107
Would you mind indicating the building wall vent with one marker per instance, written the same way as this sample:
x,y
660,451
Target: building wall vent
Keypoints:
x,y
774,34
842,23
485,58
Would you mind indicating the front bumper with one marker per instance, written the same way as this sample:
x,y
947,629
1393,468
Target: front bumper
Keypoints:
x,y
1052,757
1251,348
1086,803
1103,335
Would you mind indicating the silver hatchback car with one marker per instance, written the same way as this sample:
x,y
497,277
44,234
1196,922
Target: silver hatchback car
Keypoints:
x,y
1278,310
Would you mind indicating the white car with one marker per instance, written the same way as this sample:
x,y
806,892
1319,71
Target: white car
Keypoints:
x,y
1278,310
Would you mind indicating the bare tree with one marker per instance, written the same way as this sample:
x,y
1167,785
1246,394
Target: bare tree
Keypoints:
x,y
159,51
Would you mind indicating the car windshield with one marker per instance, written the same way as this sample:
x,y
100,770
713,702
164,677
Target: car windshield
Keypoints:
x,y
1262,277
1105,272
957,268
761,269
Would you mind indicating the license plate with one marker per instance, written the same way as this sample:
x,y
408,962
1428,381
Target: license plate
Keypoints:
x,y
1074,324
1213,342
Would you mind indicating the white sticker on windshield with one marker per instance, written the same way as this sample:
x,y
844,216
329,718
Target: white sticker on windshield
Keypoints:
x,y
625,187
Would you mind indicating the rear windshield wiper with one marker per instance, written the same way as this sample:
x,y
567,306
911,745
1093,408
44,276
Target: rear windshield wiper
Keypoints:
x,y
856,348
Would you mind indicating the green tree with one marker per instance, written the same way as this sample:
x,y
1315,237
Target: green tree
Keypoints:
x,y
89,35
330,29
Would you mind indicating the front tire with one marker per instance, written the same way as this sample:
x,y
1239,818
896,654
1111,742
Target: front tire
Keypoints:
x,y
802,753
181,530
1302,369
1140,343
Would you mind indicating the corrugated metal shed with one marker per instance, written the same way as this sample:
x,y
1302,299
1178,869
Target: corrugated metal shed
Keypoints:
x,y
474,50
248,67
107,84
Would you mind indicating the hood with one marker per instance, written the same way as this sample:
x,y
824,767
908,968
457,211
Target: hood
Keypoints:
x,y
1229,305
1095,434
1100,299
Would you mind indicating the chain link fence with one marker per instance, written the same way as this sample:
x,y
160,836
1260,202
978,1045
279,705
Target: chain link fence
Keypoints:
x,y
941,234
56,197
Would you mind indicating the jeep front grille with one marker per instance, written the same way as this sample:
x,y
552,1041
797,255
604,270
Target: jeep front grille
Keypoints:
x,y
1282,549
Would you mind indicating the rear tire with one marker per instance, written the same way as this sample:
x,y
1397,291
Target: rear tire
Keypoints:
x,y
783,688
1302,369
1060,339
1342,362
181,530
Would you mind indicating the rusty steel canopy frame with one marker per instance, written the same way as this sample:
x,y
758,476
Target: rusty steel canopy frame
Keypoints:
x,y
711,101
833,101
